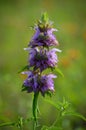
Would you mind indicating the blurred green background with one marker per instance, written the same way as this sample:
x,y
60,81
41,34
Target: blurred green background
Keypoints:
x,y
16,16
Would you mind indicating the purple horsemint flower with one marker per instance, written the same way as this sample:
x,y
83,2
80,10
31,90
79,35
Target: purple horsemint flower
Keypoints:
x,y
37,58
51,39
37,33
28,83
36,83
52,57
47,83
31,84
42,58
44,38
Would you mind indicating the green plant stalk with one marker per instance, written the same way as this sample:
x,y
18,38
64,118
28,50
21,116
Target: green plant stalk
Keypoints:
x,y
58,119
34,108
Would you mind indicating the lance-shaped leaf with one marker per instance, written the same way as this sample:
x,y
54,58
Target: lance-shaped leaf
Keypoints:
x,y
27,67
59,71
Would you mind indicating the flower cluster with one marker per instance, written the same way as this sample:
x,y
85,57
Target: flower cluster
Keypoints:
x,y
36,83
41,56
43,38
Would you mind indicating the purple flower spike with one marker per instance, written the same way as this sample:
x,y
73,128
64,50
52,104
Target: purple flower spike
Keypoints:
x,y
41,57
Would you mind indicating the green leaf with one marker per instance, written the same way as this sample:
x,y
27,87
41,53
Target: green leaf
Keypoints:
x,y
77,115
24,68
24,88
61,106
59,71
65,104
46,71
49,93
52,103
44,18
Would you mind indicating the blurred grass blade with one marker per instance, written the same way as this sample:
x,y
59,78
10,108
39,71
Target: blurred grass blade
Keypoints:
x,y
7,124
55,128
51,128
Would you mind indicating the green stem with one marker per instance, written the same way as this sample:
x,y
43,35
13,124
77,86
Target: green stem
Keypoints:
x,y
58,119
35,100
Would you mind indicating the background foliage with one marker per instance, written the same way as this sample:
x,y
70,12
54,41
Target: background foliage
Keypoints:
x,y
15,19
